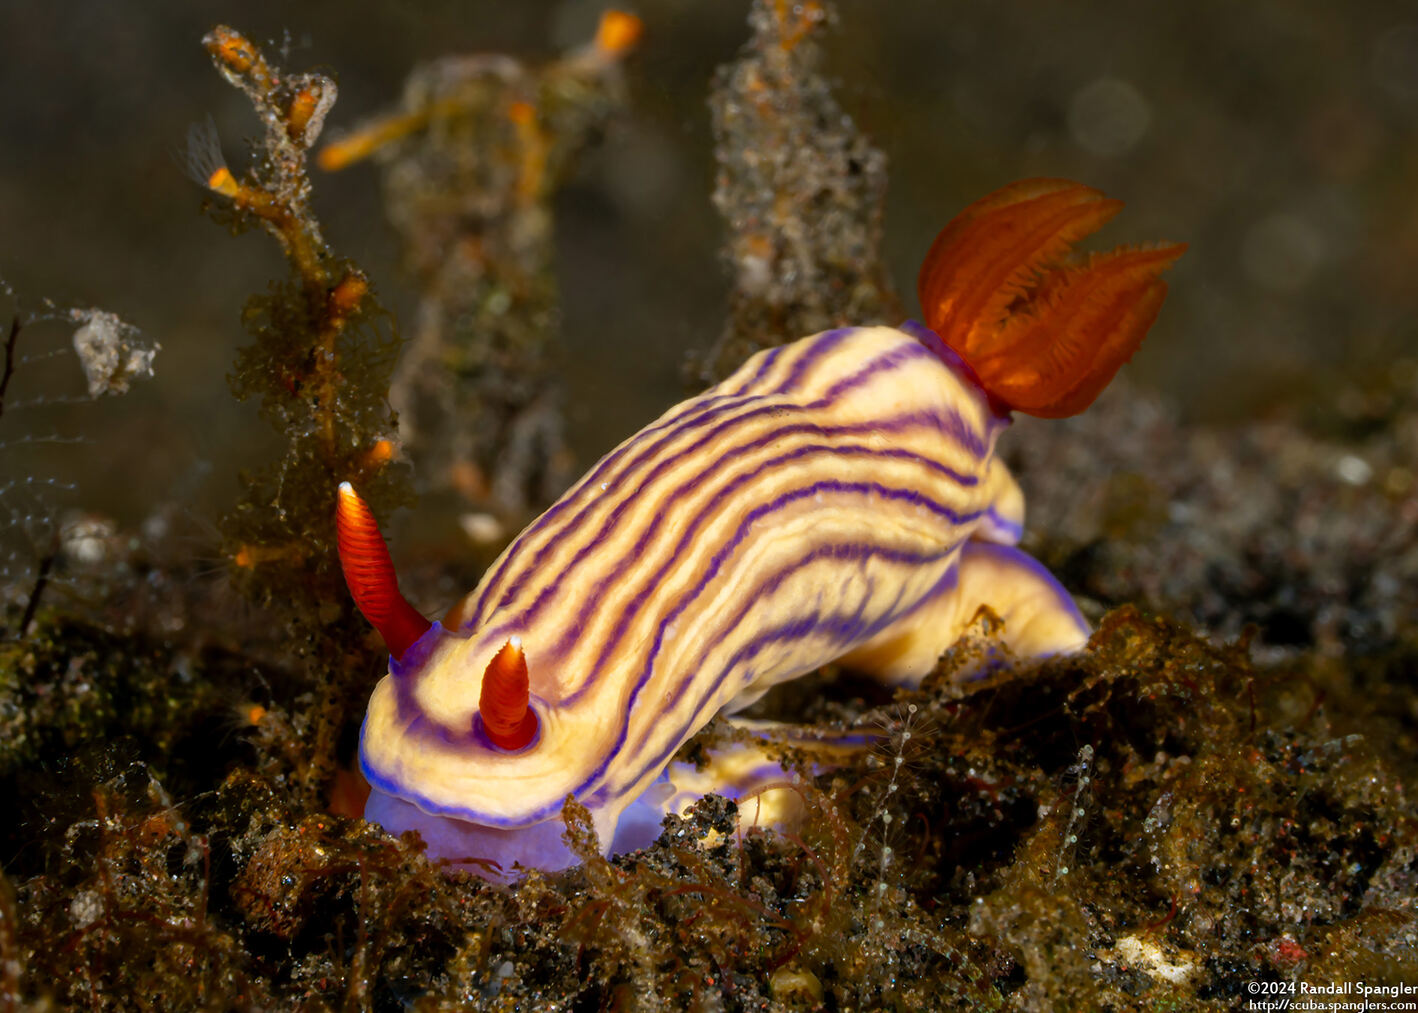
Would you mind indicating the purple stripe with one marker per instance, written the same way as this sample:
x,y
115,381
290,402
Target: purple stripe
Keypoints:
x,y
850,551
416,657
849,629
1011,529
713,407
728,549
709,510
820,346
953,426
709,406
390,785
883,364
766,362
846,626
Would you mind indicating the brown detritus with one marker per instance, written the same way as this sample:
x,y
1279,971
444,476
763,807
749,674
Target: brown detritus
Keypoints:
x,y
320,365
130,918
1193,806
110,352
72,682
1306,531
1159,820
802,193
471,161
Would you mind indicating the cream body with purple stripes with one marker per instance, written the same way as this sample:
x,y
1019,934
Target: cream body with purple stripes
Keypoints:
x,y
835,499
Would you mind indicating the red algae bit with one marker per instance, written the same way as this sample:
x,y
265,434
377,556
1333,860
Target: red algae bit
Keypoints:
x,y
535,144
347,793
1044,333
369,573
504,703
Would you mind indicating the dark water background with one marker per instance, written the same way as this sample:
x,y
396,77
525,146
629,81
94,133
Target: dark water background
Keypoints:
x,y
1279,138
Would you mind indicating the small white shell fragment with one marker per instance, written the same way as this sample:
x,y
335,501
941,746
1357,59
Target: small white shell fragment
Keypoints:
x,y
109,352
1143,953
483,529
1353,469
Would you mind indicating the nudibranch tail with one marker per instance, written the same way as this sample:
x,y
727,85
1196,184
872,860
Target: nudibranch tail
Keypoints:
x,y
507,719
369,573
1043,332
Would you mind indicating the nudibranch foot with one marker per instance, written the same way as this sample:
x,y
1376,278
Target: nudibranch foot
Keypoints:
x,y
473,847
747,770
750,771
1037,616
1043,332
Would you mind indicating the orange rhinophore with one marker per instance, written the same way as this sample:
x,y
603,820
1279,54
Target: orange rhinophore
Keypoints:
x,y
370,575
503,704
1043,331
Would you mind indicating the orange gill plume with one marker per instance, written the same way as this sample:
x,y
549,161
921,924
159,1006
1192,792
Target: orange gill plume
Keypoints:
x,y
1043,331
507,719
369,573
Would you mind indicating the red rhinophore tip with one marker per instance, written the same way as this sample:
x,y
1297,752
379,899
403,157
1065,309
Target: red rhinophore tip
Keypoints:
x,y
1044,332
507,719
370,575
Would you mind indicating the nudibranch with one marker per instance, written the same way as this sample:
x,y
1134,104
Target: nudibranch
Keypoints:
x,y
836,499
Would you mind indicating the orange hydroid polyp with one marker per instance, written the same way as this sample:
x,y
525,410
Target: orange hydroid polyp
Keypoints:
x,y
618,32
507,718
369,573
1043,331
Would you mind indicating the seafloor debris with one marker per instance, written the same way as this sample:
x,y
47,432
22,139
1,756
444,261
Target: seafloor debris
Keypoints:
x,y
35,542
801,190
1156,821
471,161
1314,540
109,352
